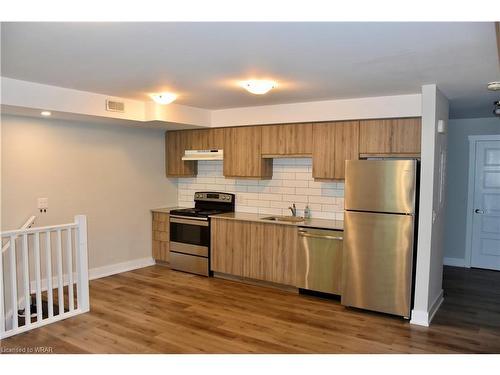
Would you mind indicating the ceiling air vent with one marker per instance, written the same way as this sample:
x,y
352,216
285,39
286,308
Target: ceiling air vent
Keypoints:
x,y
114,106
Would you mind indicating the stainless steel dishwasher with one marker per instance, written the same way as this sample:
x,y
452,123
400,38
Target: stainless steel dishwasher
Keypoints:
x,y
319,261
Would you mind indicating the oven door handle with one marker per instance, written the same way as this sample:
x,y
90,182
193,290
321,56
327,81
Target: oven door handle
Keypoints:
x,y
195,221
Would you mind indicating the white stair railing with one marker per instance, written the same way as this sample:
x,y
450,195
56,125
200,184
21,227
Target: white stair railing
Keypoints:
x,y
27,268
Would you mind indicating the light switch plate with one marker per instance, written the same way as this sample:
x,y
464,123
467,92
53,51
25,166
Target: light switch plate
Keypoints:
x,y
441,128
43,203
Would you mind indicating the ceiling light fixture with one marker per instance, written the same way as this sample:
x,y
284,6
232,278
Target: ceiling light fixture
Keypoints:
x,y
164,97
494,86
258,86
46,113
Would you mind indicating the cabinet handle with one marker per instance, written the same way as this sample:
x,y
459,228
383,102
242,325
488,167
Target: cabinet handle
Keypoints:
x,y
303,234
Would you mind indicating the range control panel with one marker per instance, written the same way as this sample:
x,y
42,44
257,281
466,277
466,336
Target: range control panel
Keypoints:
x,y
214,197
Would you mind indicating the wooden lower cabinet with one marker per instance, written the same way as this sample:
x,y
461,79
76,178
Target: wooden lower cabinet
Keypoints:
x,y
260,251
161,236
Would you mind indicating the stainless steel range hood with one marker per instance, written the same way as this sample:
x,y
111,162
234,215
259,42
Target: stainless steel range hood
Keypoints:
x,y
203,155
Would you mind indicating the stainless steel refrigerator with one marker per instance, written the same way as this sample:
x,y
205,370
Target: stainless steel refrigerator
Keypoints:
x,y
379,235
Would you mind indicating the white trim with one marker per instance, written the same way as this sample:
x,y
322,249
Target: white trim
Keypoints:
x,y
455,262
473,139
113,269
424,318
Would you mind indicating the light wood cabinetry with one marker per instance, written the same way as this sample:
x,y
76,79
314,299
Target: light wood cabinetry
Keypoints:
x,y
206,139
259,251
161,236
248,149
390,136
176,142
333,144
242,153
286,140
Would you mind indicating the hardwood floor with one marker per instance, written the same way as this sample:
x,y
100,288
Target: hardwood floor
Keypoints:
x,y
156,310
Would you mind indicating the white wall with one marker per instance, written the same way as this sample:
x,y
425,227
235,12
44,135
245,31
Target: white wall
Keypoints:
x,y
292,182
112,174
429,271
326,110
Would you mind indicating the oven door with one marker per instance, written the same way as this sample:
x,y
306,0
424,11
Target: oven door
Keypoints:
x,y
189,236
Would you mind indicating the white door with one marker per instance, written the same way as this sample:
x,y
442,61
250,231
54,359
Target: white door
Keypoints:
x,y
486,209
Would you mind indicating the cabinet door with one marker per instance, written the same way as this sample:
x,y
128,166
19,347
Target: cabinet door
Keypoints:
x,y
161,236
323,150
282,243
259,251
216,139
230,240
242,153
273,141
406,135
390,136
176,142
333,144
346,146
205,139
298,139
287,140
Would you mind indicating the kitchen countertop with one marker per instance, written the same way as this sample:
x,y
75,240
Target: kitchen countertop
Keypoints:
x,y
312,223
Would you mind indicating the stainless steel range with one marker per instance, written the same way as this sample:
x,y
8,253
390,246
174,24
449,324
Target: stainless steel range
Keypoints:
x,y
190,231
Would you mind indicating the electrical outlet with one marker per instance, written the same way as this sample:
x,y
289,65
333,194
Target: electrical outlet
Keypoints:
x,y
43,204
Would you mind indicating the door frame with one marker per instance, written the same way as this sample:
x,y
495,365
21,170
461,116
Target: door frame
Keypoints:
x,y
473,139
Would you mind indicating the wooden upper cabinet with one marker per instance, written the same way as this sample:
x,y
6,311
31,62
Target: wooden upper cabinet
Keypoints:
x,y
243,153
287,140
390,136
206,139
176,142
333,144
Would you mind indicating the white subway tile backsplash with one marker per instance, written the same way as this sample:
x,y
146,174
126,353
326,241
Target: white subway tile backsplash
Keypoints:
x,y
308,191
295,198
270,197
258,203
270,211
303,176
332,192
296,183
292,182
283,190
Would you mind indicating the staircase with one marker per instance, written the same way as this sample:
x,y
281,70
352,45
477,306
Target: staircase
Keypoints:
x,y
43,275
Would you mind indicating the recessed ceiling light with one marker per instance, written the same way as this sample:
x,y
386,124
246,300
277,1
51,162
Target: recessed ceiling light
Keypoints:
x,y
46,113
494,86
164,97
258,86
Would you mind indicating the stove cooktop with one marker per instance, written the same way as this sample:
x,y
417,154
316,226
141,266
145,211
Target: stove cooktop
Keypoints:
x,y
196,212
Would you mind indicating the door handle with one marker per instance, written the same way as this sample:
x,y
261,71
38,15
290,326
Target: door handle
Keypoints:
x,y
304,234
478,211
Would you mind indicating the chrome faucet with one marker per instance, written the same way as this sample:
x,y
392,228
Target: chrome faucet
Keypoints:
x,y
293,209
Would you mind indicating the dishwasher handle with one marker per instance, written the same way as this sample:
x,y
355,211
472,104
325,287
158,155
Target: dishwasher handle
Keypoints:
x,y
305,234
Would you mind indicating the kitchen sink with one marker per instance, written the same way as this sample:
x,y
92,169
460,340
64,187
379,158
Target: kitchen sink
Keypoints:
x,y
291,219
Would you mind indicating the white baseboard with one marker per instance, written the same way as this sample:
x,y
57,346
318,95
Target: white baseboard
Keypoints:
x,y
424,318
113,269
455,262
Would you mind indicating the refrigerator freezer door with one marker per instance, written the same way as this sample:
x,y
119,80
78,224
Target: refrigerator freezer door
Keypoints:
x,y
378,261
380,185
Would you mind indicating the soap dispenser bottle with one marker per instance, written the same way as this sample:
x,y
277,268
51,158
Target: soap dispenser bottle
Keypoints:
x,y
307,212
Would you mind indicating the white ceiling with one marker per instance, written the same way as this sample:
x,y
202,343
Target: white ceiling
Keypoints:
x,y
310,61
